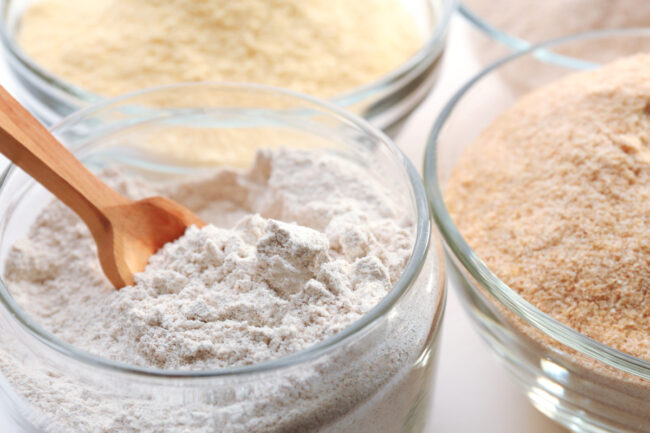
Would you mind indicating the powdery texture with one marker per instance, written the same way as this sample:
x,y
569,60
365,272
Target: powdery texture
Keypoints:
x,y
320,47
301,245
223,297
555,195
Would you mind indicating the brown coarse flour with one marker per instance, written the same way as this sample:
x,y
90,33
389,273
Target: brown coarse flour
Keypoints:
x,y
297,248
555,197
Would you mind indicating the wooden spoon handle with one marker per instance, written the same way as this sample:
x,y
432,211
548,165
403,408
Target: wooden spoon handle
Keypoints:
x,y
26,142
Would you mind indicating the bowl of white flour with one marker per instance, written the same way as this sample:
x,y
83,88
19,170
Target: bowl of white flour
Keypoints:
x,y
311,302
376,58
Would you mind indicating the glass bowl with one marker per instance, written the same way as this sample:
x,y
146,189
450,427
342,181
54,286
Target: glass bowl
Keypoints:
x,y
374,376
579,382
385,102
500,32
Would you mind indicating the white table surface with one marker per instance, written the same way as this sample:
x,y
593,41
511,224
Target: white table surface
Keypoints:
x,y
473,392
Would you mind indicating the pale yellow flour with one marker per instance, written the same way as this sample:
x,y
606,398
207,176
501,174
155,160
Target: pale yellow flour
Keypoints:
x,y
320,47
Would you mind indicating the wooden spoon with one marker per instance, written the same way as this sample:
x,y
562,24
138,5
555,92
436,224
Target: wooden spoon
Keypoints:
x,y
126,232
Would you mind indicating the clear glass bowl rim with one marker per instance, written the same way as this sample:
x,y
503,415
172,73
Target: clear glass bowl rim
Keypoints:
x,y
411,272
359,94
470,260
505,38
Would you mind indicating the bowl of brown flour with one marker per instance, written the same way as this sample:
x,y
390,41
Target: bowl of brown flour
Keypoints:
x,y
541,197
311,301
376,58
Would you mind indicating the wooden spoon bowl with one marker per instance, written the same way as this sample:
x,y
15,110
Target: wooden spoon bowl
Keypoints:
x,y
126,232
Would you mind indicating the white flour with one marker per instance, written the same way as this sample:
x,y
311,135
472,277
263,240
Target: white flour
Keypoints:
x,y
301,246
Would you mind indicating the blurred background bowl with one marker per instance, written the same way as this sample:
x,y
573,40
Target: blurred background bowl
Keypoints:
x,y
504,26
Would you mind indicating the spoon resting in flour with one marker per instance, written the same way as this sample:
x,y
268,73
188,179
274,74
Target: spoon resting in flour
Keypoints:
x,y
126,232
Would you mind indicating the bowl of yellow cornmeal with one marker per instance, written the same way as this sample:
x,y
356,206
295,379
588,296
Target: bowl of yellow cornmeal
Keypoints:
x,y
377,58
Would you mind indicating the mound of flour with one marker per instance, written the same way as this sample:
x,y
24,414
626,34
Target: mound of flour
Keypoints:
x,y
297,248
315,246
